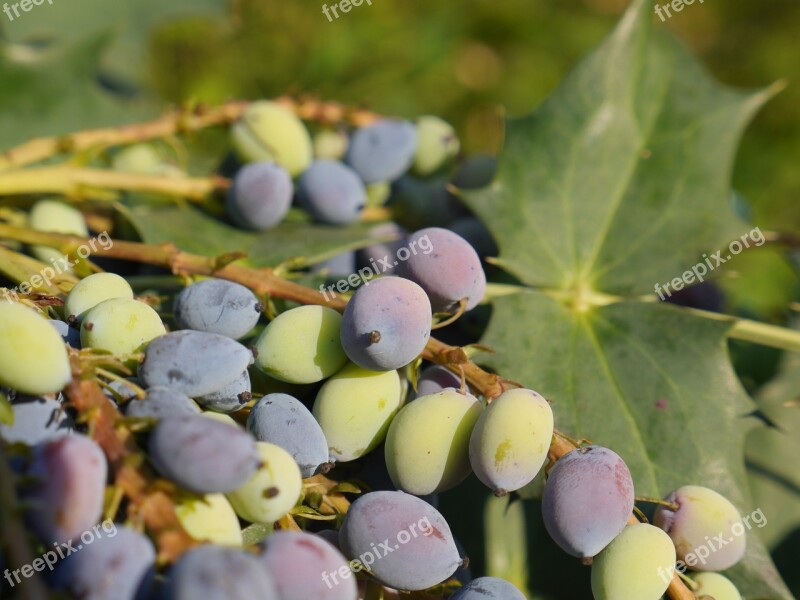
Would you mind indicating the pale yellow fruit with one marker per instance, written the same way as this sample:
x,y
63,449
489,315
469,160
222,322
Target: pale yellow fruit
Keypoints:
x,y
354,409
302,345
715,586
272,491
637,565
210,519
33,357
269,131
427,447
120,326
55,217
91,291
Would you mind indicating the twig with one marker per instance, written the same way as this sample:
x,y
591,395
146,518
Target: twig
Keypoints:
x,y
181,121
79,183
265,282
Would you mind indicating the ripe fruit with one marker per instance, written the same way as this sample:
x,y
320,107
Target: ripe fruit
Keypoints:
x,y
161,402
302,345
332,192
284,421
118,565
70,335
511,439
33,357
193,362
435,379
354,409
488,588
120,326
450,273
703,515
217,306
260,196
302,564
427,447
219,573
91,291
272,491
382,151
203,455
386,324
37,419
421,551
229,398
587,500
475,172
269,131
637,565
69,483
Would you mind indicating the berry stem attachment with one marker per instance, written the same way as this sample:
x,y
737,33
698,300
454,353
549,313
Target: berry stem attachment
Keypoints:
x,y
670,505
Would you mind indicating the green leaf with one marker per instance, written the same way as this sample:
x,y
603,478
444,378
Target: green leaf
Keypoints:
x,y
619,181
255,533
6,411
194,231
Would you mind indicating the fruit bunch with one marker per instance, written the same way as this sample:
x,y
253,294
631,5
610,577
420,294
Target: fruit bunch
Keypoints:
x,y
222,437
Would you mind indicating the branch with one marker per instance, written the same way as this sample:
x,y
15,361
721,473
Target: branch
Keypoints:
x,y
184,120
265,282
79,183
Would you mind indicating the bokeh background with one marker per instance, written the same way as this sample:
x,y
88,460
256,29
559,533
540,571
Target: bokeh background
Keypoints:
x,y
80,63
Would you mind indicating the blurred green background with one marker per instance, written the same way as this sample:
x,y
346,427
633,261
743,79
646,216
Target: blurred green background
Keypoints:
x,y
81,63
466,61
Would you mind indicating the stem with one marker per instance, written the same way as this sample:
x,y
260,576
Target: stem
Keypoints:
x,y
265,282
755,331
80,183
670,505
183,120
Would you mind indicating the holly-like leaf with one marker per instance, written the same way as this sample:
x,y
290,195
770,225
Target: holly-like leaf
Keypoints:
x,y
620,181
194,231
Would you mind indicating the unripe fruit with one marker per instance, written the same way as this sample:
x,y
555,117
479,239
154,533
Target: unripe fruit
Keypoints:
x,y
437,144
56,217
91,291
272,491
427,447
637,565
716,586
269,131
354,409
302,345
120,326
511,439
702,517
33,357
210,518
